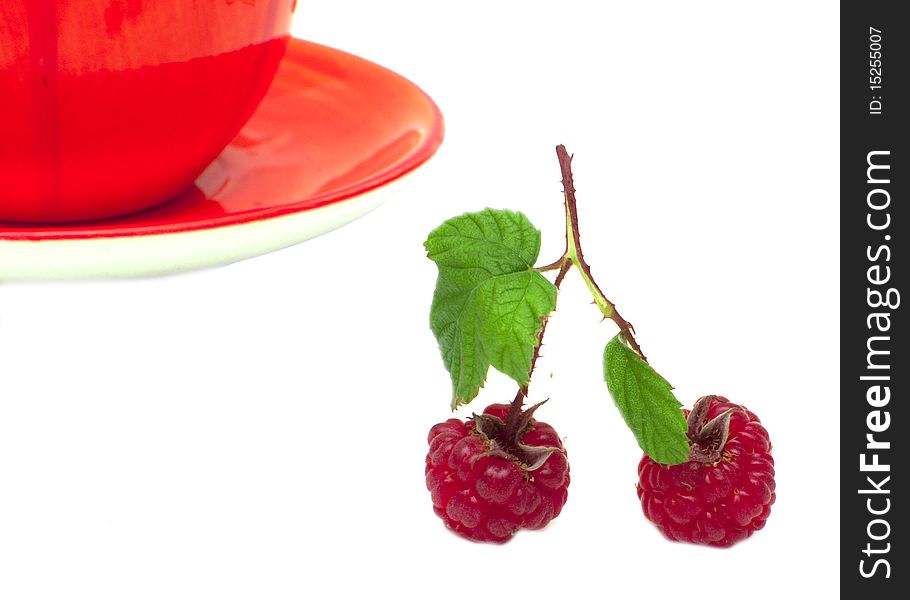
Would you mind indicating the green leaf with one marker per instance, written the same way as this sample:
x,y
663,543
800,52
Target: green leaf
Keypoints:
x,y
489,300
647,404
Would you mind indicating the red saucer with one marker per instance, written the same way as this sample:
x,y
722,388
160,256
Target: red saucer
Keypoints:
x,y
332,128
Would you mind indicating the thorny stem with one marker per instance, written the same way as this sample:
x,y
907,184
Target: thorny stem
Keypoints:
x,y
514,415
552,266
572,256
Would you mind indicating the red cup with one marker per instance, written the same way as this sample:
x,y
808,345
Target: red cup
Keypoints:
x,y
108,107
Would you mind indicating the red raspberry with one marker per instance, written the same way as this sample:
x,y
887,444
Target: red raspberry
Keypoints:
x,y
492,475
725,492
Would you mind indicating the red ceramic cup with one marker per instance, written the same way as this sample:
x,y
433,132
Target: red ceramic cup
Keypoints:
x,y
111,106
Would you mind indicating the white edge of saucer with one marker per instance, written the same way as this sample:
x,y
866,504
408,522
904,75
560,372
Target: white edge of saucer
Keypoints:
x,y
159,254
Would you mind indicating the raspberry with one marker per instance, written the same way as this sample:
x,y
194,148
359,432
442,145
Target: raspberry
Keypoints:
x,y
496,473
725,492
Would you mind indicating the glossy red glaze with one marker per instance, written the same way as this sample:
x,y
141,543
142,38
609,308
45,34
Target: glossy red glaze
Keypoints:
x,y
112,106
331,127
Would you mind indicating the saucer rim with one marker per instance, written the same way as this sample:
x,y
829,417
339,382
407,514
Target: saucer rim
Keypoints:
x,y
97,230
177,252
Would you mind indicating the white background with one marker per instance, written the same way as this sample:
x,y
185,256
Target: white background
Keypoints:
x,y
259,430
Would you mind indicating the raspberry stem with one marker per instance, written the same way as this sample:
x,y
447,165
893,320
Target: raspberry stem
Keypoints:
x,y
574,254
513,418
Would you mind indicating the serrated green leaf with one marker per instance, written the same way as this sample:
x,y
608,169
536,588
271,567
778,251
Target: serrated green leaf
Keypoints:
x,y
489,300
647,404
